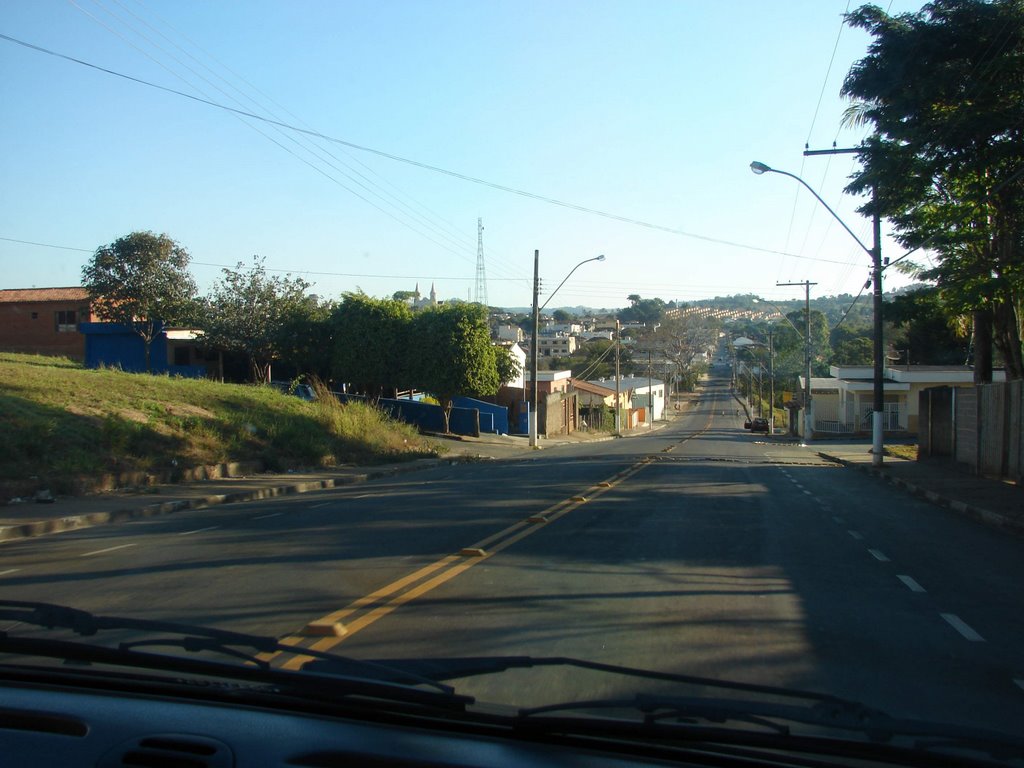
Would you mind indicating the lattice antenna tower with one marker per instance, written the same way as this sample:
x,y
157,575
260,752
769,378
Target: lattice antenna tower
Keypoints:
x,y
481,271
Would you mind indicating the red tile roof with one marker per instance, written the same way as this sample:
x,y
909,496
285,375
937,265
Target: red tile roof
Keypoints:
x,y
11,295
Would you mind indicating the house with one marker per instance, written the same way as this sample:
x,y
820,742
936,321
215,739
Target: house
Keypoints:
x,y
512,333
44,321
646,394
843,403
558,345
596,403
558,410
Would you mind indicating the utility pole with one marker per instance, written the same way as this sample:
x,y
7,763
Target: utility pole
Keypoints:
x,y
878,405
650,389
808,420
876,294
771,383
618,426
533,350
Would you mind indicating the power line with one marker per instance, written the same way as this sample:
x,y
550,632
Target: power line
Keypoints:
x,y
399,158
314,151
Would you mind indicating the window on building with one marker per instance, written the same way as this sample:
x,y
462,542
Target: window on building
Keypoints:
x,y
181,356
65,321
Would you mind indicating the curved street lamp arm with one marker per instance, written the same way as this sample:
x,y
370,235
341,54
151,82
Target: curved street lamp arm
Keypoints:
x,y
760,168
552,294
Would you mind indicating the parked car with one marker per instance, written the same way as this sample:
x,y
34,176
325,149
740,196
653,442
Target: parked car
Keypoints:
x,y
759,425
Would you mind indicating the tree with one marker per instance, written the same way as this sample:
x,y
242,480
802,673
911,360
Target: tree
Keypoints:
x,y
249,312
856,350
141,281
306,337
682,342
371,342
561,316
452,354
943,89
926,330
646,311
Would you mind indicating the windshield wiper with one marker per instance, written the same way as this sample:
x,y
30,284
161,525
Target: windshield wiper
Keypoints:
x,y
192,639
771,710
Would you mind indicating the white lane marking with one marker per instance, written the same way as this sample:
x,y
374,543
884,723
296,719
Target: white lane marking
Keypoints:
x,y
962,627
108,549
912,585
807,492
9,570
838,520
321,504
826,508
1019,682
879,555
199,530
264,517
856,535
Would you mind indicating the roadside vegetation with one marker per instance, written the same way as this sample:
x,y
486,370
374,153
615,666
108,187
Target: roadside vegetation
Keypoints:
x,y
60,421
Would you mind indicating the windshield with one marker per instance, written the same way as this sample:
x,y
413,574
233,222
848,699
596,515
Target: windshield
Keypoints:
x,y
421,337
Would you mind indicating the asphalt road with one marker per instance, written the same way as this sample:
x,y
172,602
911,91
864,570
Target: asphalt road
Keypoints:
x,y
699,549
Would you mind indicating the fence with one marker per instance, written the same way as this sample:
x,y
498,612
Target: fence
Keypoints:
x,y
981,426
425,416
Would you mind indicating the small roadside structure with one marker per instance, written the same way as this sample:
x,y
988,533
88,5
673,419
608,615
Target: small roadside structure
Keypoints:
x,y
174,351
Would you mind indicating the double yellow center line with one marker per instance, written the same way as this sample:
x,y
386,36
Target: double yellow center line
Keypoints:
x,y
333,628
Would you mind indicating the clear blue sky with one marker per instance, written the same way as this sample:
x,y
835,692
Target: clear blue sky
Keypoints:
x,y
650,111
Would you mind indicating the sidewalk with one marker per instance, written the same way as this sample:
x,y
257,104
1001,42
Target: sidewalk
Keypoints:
x,y
28,518
940,481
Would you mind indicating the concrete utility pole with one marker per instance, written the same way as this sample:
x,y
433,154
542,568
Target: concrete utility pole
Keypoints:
x,y
618,426
537,307
533,351
875,252
650,389
878,404
771,382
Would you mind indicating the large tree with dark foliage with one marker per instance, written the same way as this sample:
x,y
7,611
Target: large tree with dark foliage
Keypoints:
x,y
371,343
943,89
451,354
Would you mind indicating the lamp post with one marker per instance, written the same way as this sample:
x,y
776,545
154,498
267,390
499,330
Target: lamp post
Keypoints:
x,y
875,252
534,400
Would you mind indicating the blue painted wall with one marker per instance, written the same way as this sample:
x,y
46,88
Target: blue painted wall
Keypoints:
x,y
425,416
493,418
113,345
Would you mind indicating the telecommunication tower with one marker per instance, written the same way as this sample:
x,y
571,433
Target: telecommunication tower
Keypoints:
x,y
481,272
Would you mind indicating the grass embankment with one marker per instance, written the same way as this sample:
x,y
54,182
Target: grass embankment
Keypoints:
x,y
59,421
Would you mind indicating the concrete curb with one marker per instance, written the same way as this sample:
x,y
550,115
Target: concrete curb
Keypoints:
x,y
980,514
75,522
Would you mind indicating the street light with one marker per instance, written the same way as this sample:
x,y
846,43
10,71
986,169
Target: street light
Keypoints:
x,y
875,253
533,340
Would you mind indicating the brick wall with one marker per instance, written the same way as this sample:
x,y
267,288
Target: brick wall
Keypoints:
x,y
45,327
